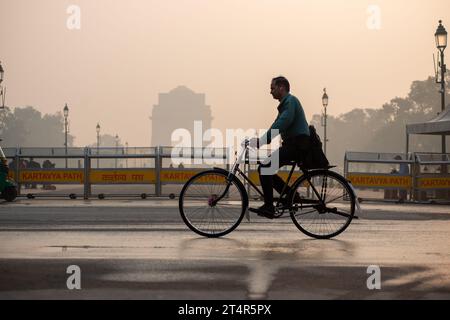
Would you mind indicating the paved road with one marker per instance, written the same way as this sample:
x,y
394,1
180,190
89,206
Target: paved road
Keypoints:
x,y
142,250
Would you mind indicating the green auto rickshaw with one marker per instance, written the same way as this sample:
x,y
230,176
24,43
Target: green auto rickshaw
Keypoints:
x,y
8,187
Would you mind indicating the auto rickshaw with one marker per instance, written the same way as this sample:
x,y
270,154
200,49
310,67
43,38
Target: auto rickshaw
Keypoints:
x,y
8,188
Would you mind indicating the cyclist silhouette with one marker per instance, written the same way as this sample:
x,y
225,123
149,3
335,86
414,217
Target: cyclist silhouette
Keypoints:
x,y
292,126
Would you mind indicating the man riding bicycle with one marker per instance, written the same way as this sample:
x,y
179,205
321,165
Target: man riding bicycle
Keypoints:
x,y
292,126
321,203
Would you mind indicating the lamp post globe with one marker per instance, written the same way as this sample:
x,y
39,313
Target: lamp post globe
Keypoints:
x,y
325,98
66,111
441,37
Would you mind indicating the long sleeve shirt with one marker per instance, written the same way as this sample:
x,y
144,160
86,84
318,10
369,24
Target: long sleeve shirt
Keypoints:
x,y
290,122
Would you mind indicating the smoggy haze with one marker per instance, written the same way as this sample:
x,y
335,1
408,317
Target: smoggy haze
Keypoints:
x,y
126,52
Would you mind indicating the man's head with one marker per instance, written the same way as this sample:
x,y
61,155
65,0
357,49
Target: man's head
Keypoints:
x,y
279,87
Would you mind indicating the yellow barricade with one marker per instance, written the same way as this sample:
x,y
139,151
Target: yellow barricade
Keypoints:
x,y
179,176
52,176
374,181
434,183
183,175
143,176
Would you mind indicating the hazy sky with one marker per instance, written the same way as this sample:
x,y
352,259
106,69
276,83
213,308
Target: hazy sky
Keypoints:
x,y
127,51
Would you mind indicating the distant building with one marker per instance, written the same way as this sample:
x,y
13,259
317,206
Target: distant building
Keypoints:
x,y
178,109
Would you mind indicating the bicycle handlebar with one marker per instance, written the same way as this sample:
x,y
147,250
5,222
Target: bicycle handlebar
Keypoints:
x,y
245,143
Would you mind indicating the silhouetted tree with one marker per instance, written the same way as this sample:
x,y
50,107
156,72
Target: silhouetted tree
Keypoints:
x,y
384,129
27,127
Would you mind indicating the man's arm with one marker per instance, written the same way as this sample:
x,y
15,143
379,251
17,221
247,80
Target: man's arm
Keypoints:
x,y
283,121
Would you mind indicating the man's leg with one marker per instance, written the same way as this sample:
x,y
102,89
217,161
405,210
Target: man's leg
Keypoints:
x,y
266,184
267,172
287,154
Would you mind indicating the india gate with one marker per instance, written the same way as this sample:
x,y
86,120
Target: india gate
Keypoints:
x,y
176,109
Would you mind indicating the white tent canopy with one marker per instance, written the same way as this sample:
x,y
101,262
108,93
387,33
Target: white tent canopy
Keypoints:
x,y
437,126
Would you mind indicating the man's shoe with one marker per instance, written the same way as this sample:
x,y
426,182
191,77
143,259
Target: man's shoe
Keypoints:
x,y
266,211
297,199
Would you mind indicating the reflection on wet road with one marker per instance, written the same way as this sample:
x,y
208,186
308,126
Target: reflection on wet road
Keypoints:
x,y
146,252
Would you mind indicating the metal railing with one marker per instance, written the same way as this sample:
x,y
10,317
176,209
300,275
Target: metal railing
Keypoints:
x,y
400,176
102,166
418,175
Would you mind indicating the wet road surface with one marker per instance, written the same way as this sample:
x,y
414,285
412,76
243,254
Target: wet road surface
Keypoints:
x,y
142,250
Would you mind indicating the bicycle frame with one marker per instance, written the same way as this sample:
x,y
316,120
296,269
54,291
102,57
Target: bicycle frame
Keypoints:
x,y
303,206
236,170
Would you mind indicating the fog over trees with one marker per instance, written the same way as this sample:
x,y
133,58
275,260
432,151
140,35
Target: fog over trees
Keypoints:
x,y
362,129
27,127
384,129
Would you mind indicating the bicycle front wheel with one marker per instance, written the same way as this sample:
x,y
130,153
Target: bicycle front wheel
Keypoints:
x,y
326,205
212,206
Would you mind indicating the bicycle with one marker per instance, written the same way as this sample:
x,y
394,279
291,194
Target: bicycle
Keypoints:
x,y
213,203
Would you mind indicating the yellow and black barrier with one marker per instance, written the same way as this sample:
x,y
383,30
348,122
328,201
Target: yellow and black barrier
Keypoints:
x,y
415,180
364,180
422,175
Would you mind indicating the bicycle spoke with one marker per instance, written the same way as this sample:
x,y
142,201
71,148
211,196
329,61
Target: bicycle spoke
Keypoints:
x,y
343,214
317,217
305,213
199,209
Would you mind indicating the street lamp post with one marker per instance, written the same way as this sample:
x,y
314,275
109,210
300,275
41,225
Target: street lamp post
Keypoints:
x,y
2,91
441,44
126,153
325,104
66,114
2,72
97,128
117,146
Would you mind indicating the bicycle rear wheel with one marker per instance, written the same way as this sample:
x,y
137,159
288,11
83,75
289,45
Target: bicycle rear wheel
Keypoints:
x,y
200,209
326,205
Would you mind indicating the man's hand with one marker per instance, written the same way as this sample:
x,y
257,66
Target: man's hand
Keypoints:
x,y
254,143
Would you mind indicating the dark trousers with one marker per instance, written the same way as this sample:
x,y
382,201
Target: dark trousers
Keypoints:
x,y
288,152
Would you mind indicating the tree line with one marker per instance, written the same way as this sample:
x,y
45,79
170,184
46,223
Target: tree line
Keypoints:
x,y
361,129
384,129
28,127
